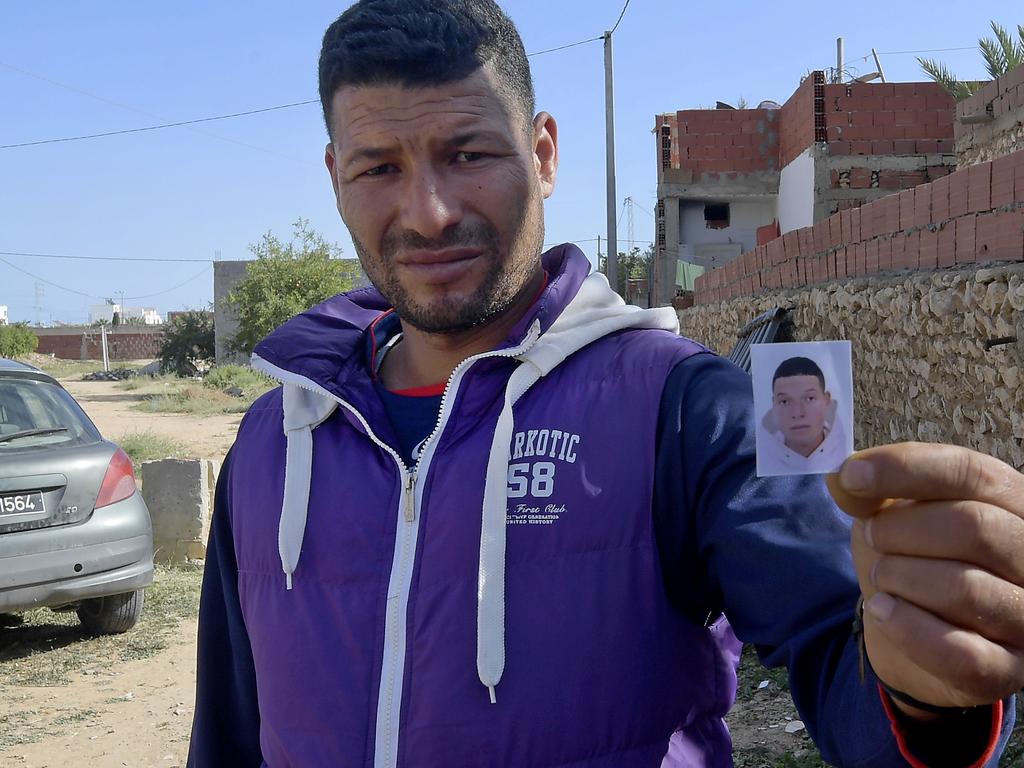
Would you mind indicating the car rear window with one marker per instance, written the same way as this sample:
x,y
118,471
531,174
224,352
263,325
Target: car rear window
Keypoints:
x,y
27,405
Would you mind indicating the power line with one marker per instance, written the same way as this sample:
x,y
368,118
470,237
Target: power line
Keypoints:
x,y
159,127
620,17
563,47
136,110
174,288
923,50
103,258
94,296
216,117
44,280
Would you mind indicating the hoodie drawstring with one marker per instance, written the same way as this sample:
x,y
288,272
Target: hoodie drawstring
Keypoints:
x,y
303,410
490,600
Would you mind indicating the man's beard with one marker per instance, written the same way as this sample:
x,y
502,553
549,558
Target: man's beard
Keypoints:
x,y
448,315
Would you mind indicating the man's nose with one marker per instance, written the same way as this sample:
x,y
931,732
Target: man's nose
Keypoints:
x,y
430,205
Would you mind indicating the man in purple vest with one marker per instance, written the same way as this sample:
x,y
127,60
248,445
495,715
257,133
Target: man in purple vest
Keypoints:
x,y
495,517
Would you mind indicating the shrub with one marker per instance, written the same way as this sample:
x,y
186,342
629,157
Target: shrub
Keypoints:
x,y
17,340
286,279
188,342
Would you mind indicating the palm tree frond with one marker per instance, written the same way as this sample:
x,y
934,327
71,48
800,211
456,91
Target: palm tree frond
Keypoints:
x,y
994,54
938,72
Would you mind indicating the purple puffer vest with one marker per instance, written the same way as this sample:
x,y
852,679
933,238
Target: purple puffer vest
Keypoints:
x,y
357,667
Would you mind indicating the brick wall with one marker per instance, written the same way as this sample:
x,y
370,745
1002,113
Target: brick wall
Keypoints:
x,y
724,140
973,215
796,121
1003,101
86,344
888,119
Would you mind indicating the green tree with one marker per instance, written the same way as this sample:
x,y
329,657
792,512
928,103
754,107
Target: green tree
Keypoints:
x,y
286,279
17,340
633,265
1001,53
188,341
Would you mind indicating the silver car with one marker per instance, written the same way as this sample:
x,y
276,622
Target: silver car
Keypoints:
x,y
75,533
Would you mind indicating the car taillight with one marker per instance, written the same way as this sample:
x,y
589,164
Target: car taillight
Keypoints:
x,y
119,482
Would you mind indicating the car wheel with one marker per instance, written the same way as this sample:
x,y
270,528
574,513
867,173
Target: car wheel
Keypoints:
x,y
112,614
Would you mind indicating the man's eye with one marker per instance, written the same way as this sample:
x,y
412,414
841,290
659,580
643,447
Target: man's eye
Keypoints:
x,y
467,157
378,170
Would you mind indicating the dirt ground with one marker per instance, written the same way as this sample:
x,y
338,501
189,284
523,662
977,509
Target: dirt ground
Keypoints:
x,y
207,437
140,714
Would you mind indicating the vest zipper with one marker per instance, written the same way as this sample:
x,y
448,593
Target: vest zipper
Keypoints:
x,y
410,498
393,667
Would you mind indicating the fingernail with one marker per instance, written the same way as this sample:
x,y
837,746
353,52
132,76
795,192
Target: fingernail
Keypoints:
x,y
880,606
857,475
867,533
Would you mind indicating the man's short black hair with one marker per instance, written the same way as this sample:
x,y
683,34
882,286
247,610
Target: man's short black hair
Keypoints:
x,y
423,43
799,366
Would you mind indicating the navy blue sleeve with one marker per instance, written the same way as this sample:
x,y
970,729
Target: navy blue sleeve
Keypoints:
x,y
772,554
226,726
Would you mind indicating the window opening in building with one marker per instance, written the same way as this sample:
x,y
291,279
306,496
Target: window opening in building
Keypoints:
x,y
716,215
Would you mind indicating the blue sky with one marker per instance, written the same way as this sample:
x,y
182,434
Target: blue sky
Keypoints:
x,y
209,190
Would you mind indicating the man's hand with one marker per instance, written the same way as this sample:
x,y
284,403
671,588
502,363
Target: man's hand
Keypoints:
x,y
938,543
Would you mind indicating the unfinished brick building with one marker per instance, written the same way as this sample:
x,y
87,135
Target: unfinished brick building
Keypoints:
x,y
730,180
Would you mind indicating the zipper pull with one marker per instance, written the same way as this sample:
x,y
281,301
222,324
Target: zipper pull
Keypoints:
x,y
410,498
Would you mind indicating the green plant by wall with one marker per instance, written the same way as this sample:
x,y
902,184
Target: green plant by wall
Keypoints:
x,y
17,340
187,342
286,279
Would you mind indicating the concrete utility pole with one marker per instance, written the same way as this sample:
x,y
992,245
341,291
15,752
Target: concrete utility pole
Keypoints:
x,y
612,262
840,61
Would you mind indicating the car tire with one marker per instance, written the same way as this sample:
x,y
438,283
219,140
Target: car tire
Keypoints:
x,y
112,614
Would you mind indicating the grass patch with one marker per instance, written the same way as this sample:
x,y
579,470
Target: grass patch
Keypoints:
x,y
74,370
71,370
194,399
149,446
22,727
169,394
251,382
48,647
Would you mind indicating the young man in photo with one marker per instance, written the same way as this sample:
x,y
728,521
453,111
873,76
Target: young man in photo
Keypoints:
x,y
805,433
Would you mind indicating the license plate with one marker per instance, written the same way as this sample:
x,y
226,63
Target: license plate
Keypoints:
x,y
22,503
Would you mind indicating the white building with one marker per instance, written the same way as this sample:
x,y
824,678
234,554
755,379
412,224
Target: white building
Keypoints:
x,y
105,313
3,314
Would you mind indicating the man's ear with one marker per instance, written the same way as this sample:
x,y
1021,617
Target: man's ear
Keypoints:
x,y
329,161
545,151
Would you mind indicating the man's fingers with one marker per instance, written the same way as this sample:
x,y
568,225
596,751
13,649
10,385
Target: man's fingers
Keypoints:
x,y
926,472
968,531
964,596
972,669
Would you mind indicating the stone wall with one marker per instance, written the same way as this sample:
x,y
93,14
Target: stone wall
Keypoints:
x,y
938,356
990,123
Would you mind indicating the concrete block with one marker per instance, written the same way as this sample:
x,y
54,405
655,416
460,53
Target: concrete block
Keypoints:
x,y
179,494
